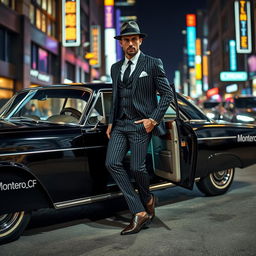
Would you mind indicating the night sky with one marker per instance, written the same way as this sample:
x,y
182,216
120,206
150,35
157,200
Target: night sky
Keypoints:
x,y
163,21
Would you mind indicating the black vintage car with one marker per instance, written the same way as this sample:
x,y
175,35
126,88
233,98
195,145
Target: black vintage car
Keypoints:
x,y
53,146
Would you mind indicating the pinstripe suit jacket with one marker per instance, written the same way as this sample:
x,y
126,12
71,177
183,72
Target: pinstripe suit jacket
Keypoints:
x,y
144,91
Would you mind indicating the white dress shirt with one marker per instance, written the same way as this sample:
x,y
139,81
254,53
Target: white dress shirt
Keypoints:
x,y
134,61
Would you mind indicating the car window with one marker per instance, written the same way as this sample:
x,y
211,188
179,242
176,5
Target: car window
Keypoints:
x,y
190,110
101,107
170,114
54,105
187,108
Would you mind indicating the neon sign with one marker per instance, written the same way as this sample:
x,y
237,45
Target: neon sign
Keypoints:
x,y
198,59
95,46
243,26
191,38
233,76
70,23
232,55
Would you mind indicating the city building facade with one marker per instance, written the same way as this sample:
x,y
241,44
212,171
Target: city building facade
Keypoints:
x,y
32,52
231,47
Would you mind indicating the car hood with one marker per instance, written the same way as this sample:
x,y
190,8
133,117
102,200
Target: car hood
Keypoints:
x,y
4,124
14,125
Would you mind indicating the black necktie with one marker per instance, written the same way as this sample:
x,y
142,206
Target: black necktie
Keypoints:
x,y
127,72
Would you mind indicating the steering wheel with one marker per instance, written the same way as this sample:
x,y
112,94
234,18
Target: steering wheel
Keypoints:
x,y
73,112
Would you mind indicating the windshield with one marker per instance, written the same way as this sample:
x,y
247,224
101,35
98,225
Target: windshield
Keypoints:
x,y
54,105
249,102
189,108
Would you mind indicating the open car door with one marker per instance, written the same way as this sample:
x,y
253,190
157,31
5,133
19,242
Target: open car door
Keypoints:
x,y
174,155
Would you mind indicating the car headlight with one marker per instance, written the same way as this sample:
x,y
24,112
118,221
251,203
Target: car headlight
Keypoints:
x,y
245,118
210,115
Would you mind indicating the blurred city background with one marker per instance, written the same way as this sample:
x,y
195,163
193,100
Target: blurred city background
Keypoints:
x,y
207,46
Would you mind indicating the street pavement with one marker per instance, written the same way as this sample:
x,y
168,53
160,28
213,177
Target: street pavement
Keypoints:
x,y
187,223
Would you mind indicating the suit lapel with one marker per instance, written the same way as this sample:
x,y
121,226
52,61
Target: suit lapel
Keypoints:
x,y
136,73
116,74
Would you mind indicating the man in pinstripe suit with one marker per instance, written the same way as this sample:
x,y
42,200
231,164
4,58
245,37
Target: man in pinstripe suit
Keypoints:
x,y
135,116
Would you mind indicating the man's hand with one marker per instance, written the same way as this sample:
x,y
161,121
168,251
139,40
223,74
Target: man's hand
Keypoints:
x,y
109,130
147,124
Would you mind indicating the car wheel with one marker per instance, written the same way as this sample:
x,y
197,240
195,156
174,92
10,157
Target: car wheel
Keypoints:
x,y
12,225
216,183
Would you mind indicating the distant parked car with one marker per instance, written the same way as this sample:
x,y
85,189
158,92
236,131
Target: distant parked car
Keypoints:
x,y
212,109
241,110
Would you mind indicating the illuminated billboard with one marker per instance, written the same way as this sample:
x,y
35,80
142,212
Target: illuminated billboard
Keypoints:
x,y
243,26
109,13
231,88
110,32
212,92
95,46
233,76
191,38
198,60
70,23
232,55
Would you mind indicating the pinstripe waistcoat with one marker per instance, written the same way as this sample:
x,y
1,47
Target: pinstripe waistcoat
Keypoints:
x,y
144,91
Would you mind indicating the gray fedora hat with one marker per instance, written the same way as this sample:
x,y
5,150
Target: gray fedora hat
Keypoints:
x,y
130,28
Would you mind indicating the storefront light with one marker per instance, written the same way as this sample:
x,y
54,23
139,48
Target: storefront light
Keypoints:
x,y
5,94
6,83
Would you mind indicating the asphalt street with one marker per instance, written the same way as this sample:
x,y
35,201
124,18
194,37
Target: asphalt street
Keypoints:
x,y
187,223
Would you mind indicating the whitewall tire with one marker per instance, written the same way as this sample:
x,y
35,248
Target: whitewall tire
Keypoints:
x,y
12,225
216,183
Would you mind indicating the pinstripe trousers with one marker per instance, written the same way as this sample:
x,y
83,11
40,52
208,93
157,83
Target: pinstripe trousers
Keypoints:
x,y
121,141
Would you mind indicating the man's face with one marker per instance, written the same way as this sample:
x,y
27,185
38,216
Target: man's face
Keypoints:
x,y
131,45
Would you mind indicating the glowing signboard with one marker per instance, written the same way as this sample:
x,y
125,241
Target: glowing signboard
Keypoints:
x,y
70,23
110,32
232,55
109,16
177,80
191,20
109,2
231,88
212,92
191,38
109,13
205,65
243,26
95,46
198,59
233,76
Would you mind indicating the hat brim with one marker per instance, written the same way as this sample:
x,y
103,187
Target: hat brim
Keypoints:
x,y
142,35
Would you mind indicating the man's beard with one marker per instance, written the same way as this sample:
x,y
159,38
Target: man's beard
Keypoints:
x,y
131,53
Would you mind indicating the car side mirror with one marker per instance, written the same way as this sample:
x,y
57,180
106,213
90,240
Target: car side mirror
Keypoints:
x,y
101,119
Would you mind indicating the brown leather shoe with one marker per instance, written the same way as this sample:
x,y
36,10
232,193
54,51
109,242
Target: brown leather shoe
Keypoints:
x,y
136,224
151,207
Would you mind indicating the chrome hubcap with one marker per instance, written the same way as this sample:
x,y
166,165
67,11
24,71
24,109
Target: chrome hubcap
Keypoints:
x,y
7,221
221,179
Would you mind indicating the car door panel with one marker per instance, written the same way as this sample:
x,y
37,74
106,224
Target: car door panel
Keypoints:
x,y
175,154
220,149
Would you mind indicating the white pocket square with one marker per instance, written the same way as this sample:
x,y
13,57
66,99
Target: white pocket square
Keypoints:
x,y
143,73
